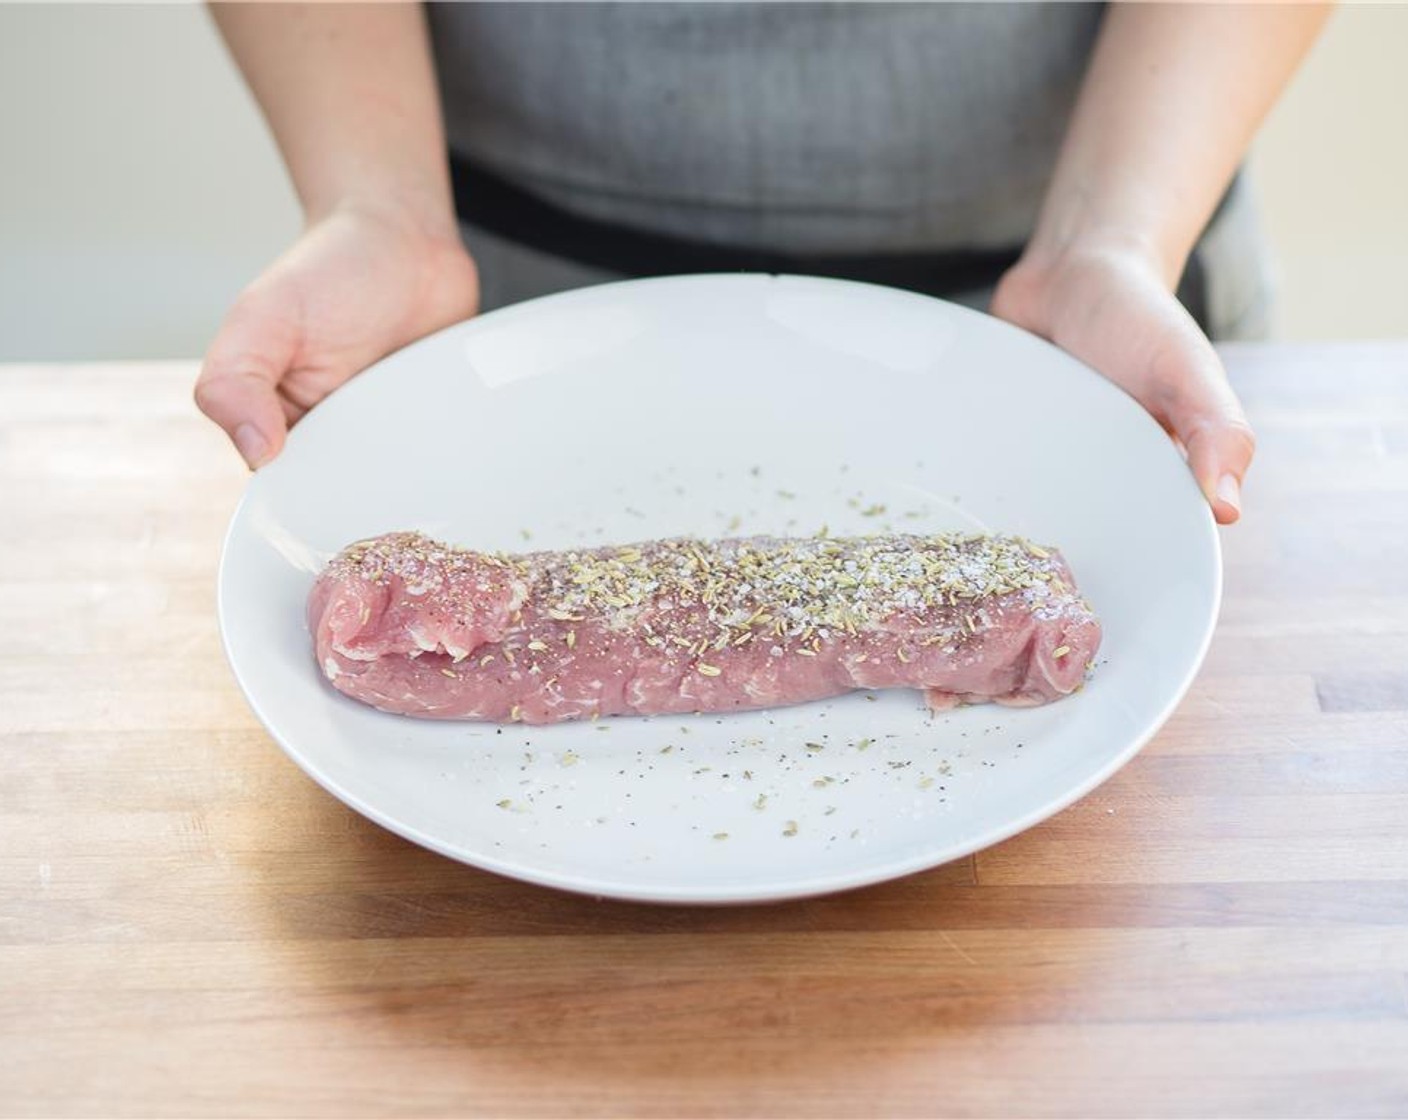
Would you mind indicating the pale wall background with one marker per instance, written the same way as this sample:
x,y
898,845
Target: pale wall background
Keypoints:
x,y
1331,167
139,189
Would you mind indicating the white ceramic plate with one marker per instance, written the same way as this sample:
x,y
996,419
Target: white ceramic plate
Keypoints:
x,y
713,405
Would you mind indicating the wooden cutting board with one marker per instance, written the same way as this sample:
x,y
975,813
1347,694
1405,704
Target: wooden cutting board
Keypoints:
x,y
190,927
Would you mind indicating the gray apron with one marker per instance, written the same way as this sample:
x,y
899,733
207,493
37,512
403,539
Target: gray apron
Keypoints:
x,y
796,128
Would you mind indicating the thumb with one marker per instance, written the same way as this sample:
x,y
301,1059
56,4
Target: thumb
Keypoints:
x,y
1209,421
239,379
1220,450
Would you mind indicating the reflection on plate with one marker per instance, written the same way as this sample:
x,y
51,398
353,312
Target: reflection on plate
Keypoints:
x,y
710,406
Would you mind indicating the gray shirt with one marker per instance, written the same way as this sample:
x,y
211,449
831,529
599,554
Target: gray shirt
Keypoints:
x,y
789,127
794,126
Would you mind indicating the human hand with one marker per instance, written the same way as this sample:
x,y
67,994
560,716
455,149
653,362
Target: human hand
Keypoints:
x,y
1111,308
360,283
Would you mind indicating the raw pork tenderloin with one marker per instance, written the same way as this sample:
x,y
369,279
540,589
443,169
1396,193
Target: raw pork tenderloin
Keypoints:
x,y
421,628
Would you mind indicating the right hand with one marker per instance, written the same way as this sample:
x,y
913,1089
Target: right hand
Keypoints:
x,y
357,285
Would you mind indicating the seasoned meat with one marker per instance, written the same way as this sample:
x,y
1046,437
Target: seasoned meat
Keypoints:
x,y
413,626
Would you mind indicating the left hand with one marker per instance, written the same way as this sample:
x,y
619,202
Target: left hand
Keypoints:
x,y
1111,308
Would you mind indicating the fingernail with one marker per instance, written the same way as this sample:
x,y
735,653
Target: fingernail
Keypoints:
x,y
1229,492
252,445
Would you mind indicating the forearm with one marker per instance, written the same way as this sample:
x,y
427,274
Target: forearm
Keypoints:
x,y
349,92
1172,98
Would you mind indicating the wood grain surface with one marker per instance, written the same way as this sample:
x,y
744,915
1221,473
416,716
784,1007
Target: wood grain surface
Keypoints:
x,y
190,927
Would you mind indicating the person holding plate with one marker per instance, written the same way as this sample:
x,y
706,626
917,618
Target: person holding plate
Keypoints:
x,y
1072,167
